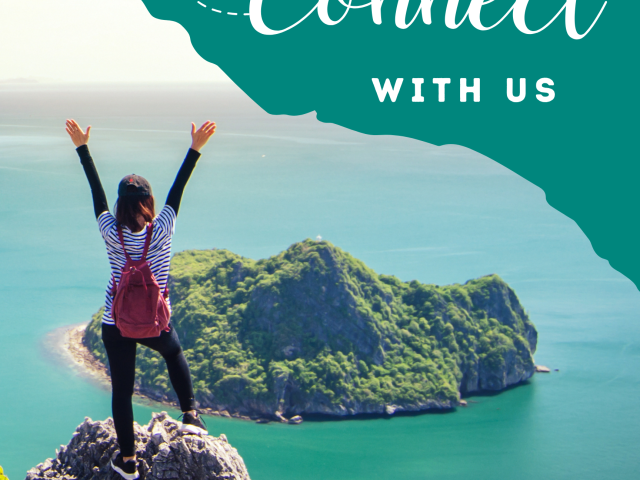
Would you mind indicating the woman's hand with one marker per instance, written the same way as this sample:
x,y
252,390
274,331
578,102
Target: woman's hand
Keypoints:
x,y
78,137
201,136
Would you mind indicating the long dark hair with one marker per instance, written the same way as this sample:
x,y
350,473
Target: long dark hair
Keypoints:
x,y
135,211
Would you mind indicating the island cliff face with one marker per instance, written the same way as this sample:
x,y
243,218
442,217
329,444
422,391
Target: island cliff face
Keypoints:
x,y
314,330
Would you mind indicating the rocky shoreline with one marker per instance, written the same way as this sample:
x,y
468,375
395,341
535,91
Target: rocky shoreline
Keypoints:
x,y
84,360
74,349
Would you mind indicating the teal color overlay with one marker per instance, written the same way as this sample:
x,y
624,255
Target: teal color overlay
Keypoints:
x,y
579,148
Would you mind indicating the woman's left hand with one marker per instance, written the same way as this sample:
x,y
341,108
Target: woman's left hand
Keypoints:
x,y
78,136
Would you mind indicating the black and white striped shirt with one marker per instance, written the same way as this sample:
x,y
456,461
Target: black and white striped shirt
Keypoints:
x,y
159,254
158,257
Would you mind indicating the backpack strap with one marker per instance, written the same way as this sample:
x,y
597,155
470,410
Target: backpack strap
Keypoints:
x,y
147,242
121,237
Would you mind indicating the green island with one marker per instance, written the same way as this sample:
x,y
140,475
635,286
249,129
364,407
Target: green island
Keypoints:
x,y
313,330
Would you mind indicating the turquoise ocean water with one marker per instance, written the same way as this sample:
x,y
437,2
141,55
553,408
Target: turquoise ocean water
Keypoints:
x,y
436,214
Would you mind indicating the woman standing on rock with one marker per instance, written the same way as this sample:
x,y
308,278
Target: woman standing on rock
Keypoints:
x,y
140,241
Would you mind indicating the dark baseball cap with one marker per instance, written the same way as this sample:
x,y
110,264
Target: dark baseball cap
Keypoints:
x,y
134,185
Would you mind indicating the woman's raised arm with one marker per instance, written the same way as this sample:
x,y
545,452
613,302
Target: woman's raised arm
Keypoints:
x,y
199,139
80,140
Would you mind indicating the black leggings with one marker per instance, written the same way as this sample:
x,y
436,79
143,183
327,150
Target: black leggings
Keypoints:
x,y
122,363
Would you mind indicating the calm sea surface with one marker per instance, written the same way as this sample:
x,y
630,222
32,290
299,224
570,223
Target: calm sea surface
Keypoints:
x,y
436,214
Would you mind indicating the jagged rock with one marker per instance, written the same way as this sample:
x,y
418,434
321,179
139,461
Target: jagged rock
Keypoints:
x,y
162,451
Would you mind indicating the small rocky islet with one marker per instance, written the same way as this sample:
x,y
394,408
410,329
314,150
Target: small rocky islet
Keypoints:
x,y
313,330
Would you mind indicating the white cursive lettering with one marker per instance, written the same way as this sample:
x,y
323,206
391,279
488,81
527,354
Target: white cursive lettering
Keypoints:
x,y
518,11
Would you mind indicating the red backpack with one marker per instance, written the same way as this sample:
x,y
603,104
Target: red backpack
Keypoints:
x,y
139,309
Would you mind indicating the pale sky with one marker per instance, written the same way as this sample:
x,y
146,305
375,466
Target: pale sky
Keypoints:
x,y
95,41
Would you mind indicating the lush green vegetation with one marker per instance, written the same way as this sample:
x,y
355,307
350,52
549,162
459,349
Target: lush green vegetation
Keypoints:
x,y
315,330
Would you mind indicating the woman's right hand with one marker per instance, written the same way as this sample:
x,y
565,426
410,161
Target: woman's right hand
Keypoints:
x,y
201,136
78,136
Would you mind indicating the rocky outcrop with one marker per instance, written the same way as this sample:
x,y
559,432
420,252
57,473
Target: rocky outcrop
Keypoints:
x,y
502,367
162,453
